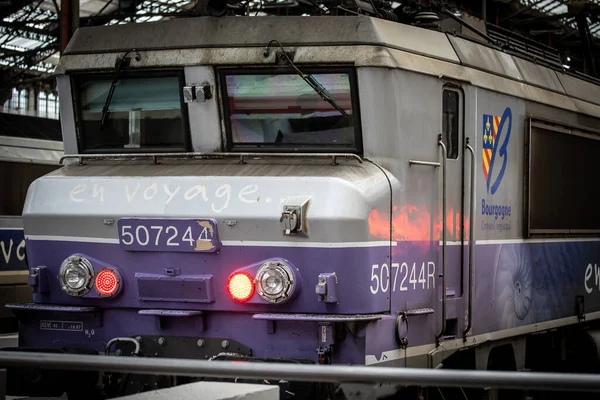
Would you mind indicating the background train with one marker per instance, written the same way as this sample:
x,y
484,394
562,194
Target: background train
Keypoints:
x,y
413,198
22,160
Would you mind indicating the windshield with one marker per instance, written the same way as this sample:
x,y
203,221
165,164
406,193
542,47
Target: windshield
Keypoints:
x,y
144,113
271,110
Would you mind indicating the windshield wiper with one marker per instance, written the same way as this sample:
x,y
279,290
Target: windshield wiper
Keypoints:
x,y
118,66
312,82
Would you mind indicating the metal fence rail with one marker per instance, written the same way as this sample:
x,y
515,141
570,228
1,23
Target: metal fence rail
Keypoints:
x,y
311,373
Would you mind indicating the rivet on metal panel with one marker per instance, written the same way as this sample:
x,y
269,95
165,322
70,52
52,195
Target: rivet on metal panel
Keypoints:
x,y
108,222
201,343
225,344
161,341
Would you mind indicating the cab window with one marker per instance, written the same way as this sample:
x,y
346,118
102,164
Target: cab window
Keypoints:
x,y
279,110
145,113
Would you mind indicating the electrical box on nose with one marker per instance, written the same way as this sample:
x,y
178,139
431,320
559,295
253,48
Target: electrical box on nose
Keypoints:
x,y
294,216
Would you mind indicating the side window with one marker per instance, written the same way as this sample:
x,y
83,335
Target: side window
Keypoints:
x,y
145,112
451,123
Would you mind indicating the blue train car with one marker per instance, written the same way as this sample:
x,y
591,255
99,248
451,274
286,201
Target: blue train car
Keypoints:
x,y
22,160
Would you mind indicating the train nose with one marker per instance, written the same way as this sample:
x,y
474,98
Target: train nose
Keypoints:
x,y
208,236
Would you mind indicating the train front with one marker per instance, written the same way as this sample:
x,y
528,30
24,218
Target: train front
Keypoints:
x,y
254,251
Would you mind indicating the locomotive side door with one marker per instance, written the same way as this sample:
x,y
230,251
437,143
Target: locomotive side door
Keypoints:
x,y
452,136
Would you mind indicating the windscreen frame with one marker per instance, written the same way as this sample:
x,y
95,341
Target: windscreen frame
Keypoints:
x,y
229,145
79,78
569,131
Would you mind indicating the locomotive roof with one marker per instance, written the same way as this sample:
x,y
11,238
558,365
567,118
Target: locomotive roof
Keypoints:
x,y
374,41
207,32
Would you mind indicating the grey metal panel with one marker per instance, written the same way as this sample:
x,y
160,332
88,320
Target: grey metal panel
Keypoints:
x,y
39,144
552,113
67,116
475,55
539,75
493,82
25,150
7,222
510,189
415,40
205,126
580,89
340,196
357,55
257,32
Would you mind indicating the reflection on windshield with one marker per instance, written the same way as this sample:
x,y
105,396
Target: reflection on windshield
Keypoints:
x,y
282,109
143,113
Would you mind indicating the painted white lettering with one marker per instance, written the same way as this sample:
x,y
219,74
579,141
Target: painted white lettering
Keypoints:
x,y
194,191
223,191
21,250
76,190
204,235
5,253
169,193
413,276
588,275
395,266
431,274
151,191
385,278
98,191
246,191
130,195
403,267
374,276
422,276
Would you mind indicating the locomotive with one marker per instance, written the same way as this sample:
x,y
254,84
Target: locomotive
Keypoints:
x,y
321,189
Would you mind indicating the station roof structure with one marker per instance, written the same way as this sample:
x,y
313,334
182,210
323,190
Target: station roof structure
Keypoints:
x,y
30,30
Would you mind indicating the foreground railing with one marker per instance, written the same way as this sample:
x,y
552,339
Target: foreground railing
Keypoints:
x,y
314,373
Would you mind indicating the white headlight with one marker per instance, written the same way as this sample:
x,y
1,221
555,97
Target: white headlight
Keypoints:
x,y
76,275
274,281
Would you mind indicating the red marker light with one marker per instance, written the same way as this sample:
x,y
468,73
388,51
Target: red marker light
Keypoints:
x,y
107,282
240,286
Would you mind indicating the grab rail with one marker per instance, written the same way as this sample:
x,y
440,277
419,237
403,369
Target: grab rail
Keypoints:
x,y
304,372
471,239
426,163
443,276
179,155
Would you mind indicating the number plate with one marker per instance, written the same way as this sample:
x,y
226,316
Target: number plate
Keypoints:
x,y
176,235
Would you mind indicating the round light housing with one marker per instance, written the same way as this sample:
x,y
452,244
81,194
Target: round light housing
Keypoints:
x,y
107,282
275,282
75,276
240,286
